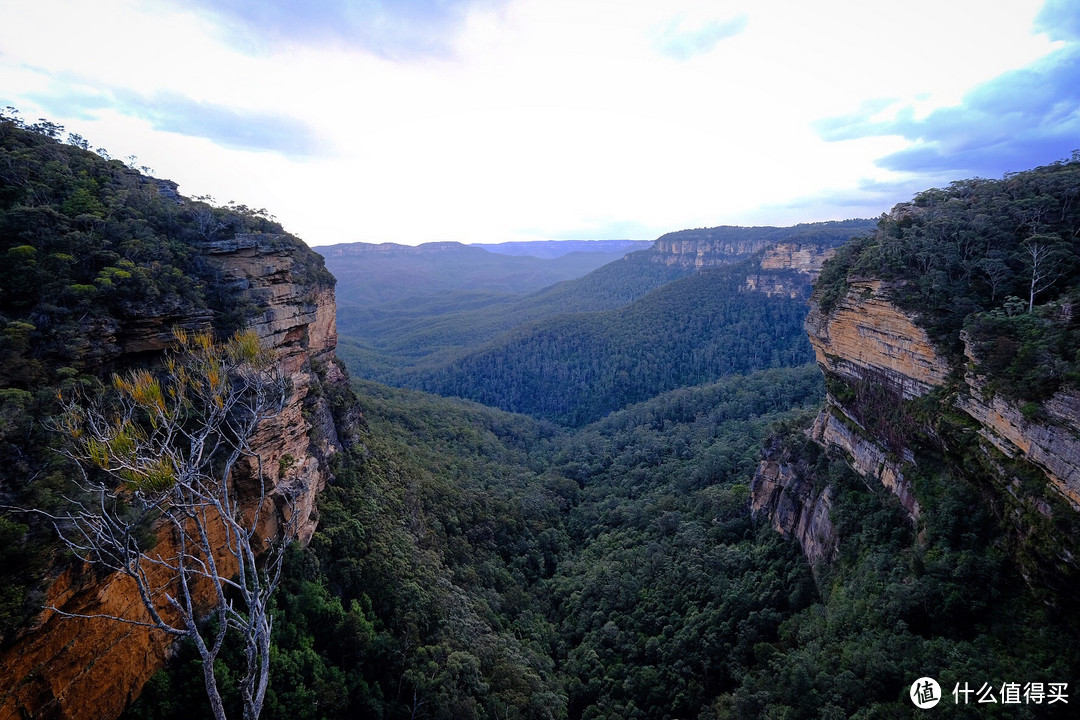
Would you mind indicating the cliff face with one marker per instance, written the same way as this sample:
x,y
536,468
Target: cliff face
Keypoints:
x,y
780,267
1052,445
789,269
794,506
82,668
865,334
876,360
704,250
802,248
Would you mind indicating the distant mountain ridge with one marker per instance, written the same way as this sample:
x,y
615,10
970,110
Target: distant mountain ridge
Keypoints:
x,y
558,248
422,341
370,274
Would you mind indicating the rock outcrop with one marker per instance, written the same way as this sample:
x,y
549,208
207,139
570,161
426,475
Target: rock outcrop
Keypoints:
x,y
876,358
803,247
866,333
1051,442
806,258
833,428
789,269
83,668
704,249
795,506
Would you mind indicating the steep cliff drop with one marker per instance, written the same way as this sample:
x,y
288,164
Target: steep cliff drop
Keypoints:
x,y
92,668
779,261
896,404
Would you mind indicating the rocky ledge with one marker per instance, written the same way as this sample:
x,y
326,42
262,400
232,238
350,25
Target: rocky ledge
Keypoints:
x,y
795,507
864,342
82,668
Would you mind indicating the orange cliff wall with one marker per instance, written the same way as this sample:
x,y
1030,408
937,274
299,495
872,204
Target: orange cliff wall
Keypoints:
x,y
93,668
865,337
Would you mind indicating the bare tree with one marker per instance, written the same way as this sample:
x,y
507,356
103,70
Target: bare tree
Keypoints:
x,y
161,463
1048,257
206,222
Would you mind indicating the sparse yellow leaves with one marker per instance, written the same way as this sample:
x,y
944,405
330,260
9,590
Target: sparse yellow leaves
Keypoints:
x,y
245,347
158,422
153,476
98,453
143,389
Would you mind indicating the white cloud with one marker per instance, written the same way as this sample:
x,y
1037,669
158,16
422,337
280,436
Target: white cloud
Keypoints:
x,y
534,118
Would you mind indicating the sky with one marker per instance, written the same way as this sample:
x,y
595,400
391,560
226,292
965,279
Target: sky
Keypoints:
x,y
414,121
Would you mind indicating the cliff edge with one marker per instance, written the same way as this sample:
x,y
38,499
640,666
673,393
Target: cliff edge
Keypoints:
x,y
80,668
936,372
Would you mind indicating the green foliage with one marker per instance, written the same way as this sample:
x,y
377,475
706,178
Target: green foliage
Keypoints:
x,y
88,246
962,258
1026,355
410,329
573,369
391,342
472,563
941,599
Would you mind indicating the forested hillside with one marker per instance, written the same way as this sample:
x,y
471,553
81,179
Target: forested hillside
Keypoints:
x,y
387,342
471,563
576,368
403,341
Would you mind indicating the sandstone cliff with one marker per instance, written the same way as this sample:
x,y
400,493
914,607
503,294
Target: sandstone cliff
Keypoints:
x,y
781,261
788,269
795,506
866,334
74,668
888,389
801,247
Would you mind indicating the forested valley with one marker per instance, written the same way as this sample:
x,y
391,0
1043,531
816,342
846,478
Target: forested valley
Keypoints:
x,y
592,554
474,563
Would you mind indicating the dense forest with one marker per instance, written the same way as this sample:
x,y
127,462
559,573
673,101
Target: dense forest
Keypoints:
x,y
474,563
995,261
575,368
419,339
389,342
597,559
89,244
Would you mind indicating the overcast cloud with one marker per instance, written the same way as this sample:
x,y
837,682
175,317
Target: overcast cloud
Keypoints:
x,y
493,120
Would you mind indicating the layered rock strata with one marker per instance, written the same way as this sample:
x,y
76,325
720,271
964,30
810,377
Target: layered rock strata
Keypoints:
x,y
789,269
1053,446
866,340
866,334
795,507
92,668
834,428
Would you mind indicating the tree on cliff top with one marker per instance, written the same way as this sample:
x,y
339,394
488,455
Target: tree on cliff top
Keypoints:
x,y
175,498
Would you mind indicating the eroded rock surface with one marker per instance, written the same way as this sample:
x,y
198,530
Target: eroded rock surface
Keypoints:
x,y
92,668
